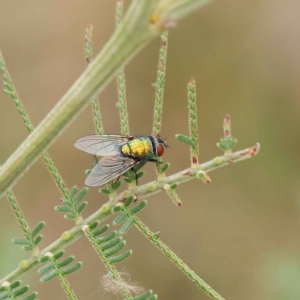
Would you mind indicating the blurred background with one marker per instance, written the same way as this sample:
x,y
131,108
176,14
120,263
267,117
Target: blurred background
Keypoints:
x,y
240,233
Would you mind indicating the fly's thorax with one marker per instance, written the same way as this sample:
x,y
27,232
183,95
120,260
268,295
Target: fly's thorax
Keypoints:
x,y
138,147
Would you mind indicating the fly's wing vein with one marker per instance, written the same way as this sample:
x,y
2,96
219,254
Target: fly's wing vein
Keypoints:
x,y
109,168
101,145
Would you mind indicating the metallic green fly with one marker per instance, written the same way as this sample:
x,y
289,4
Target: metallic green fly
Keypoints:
x,y
120,153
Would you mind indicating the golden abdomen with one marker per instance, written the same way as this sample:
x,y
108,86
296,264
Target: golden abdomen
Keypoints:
x,y
138,147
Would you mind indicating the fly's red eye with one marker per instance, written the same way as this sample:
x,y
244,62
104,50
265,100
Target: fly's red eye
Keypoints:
x,y
160,150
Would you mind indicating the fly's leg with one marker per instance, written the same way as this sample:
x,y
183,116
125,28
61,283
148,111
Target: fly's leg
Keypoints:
x,y
116,180
136,179
135,174
141,161
154,160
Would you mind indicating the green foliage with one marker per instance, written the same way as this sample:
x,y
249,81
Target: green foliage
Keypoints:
x,y
113,187
192,139
170,189
122,103
154,238
10,292
30,241
108,247
105,191
126,214
71,207
159,95
165,167
10,90
126,226
203,176
95,101
132,175
159,85
88,43
120,218
109,244
146,296
192,103
55,268
184,139
228,142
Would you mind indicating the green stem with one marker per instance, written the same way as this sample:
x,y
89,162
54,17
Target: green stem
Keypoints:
x,y
20,217
159,85
63,281
9,292
122,104
109,267
137,29
141,192
192,103
154,239
190,173
95,101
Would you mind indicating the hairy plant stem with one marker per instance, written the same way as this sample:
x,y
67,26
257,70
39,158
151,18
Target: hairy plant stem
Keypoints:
x,y
141,192
64,282
155,240
108,265
143,21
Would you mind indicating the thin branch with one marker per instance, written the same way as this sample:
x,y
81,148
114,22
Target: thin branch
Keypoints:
x,y
159,97
155,240
57,269
170,190
30,243
13,291
190,173
159,85
192,103
141,192
106,261
122,104
228,142
95,101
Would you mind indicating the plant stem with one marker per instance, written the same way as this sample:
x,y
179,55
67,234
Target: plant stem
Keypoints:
x,y
154,239
193,126
141,192
108,265
122,103
20,217
95,101
160,84
190,173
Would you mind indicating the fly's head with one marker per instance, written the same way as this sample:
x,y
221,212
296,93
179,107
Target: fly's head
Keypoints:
x,y
160,144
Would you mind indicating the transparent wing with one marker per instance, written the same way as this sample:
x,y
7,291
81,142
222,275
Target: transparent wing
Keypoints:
x,y
101,145
109,168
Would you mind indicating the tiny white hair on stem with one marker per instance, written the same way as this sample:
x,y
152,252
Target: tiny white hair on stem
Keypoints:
x,y
109,284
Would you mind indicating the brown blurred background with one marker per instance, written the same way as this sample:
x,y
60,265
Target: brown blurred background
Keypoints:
x,y
241,233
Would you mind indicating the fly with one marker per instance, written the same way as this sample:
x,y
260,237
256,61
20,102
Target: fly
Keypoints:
x,y
119,153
